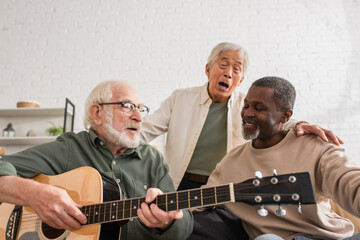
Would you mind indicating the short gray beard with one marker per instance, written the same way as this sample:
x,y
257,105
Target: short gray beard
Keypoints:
x,y
118,138
250,136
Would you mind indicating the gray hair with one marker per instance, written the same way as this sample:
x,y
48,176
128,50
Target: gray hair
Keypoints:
x,y
101,93
284,91
227,46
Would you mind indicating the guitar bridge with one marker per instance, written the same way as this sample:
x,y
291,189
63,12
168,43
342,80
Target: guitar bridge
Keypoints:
x,y
13,223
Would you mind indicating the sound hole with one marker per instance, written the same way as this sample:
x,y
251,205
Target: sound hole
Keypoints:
x,y
50,232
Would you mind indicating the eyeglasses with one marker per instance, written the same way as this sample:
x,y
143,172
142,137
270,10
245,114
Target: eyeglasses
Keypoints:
x,y
129,107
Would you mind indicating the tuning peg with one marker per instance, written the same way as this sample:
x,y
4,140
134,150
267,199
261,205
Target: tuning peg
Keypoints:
x,y
262,211
299,209
258,174
274,172
280,212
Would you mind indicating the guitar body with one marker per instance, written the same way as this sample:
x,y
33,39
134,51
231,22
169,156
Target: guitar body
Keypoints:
x,y
84,185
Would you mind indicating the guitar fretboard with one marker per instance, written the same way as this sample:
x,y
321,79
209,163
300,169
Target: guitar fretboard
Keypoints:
x,y
127,209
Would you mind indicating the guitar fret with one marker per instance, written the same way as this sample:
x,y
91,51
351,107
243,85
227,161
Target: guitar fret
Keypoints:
x,y
161,202
195,198
182,200
177,201
96,213
111,215
127,208
215,194
171,201
85,211
130,208
114,217
134,207
223,194
106,215
107,212
101,217
92,214
166,202
209,197
120,210
188,193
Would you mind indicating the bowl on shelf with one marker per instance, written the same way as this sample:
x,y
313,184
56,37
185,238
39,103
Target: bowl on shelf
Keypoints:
x,y
23,104
2,151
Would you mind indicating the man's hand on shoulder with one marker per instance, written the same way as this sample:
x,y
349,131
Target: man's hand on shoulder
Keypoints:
x,y
302,128
152,216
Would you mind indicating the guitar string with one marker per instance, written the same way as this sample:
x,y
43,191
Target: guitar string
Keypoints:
x,y
220,190
32,216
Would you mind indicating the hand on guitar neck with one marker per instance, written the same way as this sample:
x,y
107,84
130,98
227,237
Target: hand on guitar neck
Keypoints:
x,y
152,216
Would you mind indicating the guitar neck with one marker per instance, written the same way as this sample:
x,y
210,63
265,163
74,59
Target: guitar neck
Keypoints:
x,y
127,209
295,188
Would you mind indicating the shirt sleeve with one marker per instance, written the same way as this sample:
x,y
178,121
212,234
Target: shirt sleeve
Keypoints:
x,y
7,168
338,177
48,158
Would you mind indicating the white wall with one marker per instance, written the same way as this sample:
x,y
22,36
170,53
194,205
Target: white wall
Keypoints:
x,y
51,49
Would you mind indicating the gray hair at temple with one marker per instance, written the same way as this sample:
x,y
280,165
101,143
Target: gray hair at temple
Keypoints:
x,y
226,46
101,93
284,92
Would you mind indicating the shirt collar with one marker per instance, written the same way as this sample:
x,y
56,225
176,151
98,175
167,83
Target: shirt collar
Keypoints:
x,y
204,96
95,139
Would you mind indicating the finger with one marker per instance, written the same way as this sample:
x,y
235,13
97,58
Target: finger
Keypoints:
x,y
334,138
151,194
314,129
176,214
299,133
160,215
322,135
57,221
69,220
147,214
77,217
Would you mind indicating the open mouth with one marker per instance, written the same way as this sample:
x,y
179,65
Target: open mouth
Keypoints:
x,y
224,85
250,123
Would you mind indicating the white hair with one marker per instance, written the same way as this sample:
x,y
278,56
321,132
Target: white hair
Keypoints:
x,y
101,93
226,46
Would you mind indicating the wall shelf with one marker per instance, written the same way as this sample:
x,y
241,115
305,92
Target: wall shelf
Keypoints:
x,y
32,112
29,141
38,120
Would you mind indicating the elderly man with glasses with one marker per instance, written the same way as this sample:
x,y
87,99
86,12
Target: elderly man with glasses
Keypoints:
x,y
113,115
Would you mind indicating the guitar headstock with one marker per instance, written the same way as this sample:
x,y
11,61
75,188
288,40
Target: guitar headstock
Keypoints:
x,y
294,188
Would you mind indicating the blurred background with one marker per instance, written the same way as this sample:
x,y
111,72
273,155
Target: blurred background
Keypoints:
x,y
51,50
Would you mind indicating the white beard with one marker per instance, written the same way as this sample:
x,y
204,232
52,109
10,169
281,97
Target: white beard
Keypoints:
x,y
120,139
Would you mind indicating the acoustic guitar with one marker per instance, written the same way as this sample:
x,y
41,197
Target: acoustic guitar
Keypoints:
x,y
87,187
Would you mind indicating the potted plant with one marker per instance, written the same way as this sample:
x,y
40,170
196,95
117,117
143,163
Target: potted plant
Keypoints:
x,y
55,131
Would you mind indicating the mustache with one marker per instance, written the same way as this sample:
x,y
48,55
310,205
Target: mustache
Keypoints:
x,y
250,121
132,124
